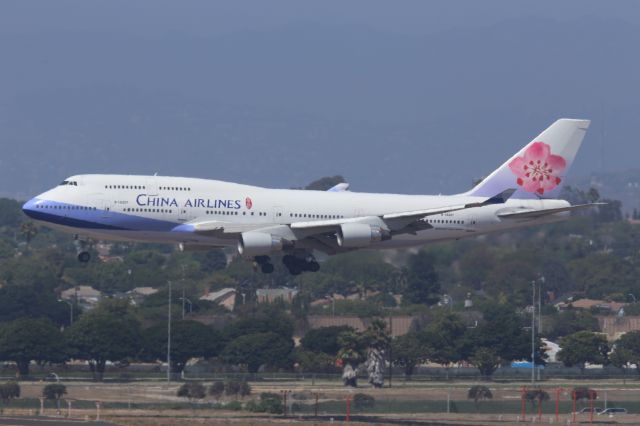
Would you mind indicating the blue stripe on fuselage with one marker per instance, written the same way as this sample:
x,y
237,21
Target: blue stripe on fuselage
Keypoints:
x,y
77,216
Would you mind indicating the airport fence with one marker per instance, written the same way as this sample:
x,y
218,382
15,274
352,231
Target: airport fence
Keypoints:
x,y
423,375
504,400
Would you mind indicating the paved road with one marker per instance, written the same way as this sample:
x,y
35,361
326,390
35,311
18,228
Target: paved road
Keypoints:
x,y
46,421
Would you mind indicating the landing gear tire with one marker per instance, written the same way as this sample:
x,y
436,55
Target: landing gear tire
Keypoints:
x,y
292,264
313,266
265,264
267,268
84,256
296,265
294,270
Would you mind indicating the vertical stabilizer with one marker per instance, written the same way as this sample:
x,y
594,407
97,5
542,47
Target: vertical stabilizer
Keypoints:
x,y
539,169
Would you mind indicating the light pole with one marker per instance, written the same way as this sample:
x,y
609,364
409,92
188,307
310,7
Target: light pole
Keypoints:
x,y
169,339
540,304
186,299
333,304
533,332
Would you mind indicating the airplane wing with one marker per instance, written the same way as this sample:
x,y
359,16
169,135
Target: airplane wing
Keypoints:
x,y
532,213
216,228
407,217
321,233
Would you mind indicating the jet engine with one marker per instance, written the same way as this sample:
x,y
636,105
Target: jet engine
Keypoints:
x,y
354,235
253,244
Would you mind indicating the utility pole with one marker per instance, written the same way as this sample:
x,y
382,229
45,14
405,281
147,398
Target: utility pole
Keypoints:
x,y
182,299
169,339
183,295
390,348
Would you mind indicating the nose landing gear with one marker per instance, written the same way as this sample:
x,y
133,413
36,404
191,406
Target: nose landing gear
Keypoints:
x,y
84,256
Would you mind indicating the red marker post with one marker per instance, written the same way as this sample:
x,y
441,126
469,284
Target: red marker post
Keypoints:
x,y
558,404
540,408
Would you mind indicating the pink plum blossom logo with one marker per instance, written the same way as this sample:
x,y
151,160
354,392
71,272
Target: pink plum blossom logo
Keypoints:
x,y
538,169
248,203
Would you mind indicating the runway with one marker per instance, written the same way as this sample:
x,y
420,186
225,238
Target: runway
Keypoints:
x,y
47,421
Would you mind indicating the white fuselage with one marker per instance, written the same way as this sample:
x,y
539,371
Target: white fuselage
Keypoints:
x,y
149,208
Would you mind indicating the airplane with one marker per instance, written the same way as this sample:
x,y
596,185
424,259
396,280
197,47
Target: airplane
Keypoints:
x,y
201,214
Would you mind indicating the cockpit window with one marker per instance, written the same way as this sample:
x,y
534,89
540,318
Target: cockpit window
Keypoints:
x,y
68,182
64,182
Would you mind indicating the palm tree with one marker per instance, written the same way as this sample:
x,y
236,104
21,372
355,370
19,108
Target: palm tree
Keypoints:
x,y
28,230
349,356
479,392
377,338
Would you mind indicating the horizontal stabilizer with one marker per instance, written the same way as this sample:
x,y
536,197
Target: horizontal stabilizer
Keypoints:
x,y
496,199
502,197
341,187
531,213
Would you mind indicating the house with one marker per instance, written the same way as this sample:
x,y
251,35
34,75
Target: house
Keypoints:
x,y
270,295
225,297
138,294
615,326
602,305
85,296
400,324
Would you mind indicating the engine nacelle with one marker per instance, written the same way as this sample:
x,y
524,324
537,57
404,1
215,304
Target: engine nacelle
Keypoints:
x,y
258,244
354,235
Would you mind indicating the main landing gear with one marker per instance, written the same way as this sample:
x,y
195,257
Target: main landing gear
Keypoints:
x,y
297,265
81,248
264,262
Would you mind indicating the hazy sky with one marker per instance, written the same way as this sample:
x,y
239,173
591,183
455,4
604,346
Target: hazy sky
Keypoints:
x,y
206,18
406,96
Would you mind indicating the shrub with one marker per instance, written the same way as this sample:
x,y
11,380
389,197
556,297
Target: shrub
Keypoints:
x,y
216,389
232,388
245,389
269,403
54,391
233,405
536,396
362,401
583,393
9,391
192,391
478,393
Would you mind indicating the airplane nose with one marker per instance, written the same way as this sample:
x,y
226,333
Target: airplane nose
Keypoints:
x,y
29,208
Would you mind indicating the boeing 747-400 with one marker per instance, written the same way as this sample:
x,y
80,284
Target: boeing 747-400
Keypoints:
x,y
258,222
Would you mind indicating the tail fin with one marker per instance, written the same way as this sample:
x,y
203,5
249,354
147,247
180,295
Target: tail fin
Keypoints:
x,y
539,169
